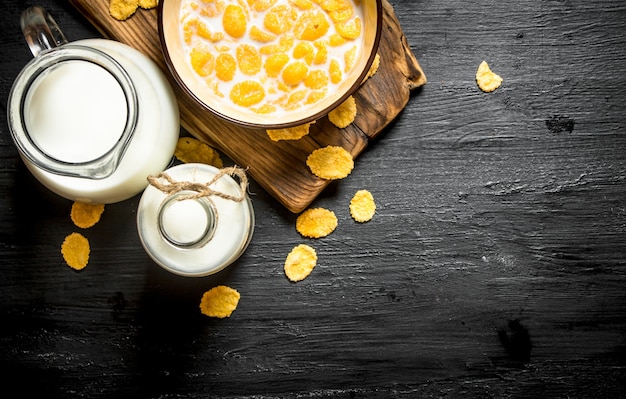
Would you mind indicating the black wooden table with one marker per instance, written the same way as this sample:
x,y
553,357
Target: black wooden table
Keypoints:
x,y
494,267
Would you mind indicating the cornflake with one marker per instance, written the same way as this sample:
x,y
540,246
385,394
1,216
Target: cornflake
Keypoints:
x,y
148,4
350,29
373,68
487,80
234,21
362,206
220,301
316,223
344,114
124,9
290,133
300,262
331,162
86,215
247,93
75,250
191,150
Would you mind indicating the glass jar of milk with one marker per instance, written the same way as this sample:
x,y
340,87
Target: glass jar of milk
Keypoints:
x,y
92,118
197,221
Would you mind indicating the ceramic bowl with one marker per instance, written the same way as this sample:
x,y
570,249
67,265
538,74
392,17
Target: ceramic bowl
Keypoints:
x,y
178,61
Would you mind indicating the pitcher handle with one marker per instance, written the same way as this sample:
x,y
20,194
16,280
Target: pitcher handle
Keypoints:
x,y
40,30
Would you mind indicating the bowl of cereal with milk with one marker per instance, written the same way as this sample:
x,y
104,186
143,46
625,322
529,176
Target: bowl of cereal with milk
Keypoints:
x,y
269,63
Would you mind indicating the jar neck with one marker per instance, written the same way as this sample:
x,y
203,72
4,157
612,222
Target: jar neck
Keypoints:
x,y
186,223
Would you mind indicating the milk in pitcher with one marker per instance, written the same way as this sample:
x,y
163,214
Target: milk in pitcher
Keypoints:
x,y
76,103
78,111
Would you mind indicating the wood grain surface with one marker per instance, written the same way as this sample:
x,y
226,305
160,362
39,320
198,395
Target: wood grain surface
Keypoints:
x,y
495,266
280,167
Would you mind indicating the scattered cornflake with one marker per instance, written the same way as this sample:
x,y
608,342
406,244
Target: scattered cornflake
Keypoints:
x,y
316,222
344,114
373,68
331,162
290,133
300,262
192,150
487,80
362,206
148,4
124,9
220,301
86,215
75,251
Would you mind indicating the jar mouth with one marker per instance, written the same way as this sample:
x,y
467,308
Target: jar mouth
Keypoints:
x,y
86,131
187,223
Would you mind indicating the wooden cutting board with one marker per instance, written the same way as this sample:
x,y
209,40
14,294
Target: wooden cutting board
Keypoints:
x,y
279,167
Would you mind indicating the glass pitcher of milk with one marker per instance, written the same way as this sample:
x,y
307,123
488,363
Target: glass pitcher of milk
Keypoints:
x,y
92,118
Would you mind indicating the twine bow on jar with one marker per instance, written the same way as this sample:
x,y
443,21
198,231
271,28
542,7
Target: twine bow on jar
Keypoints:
x,y
171,186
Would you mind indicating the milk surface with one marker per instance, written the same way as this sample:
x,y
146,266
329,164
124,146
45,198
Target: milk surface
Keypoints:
x,y
185,221
76,111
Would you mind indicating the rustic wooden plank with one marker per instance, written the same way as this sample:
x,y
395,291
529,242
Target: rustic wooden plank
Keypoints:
x,y
280,167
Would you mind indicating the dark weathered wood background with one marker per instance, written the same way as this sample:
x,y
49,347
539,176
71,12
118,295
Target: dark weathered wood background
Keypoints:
x,y
495,266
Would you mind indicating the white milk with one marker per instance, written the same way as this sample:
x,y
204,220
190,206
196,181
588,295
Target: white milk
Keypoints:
x,y
77,103
152,145
186,221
